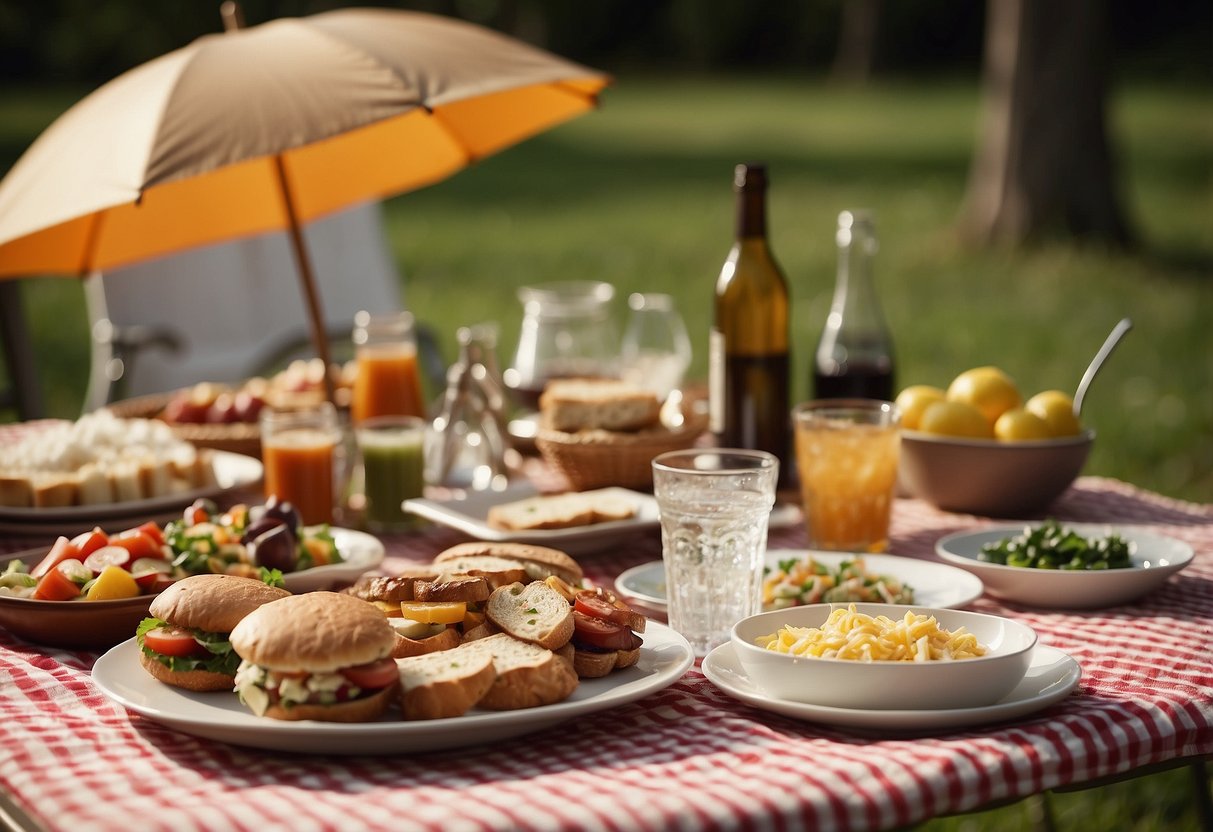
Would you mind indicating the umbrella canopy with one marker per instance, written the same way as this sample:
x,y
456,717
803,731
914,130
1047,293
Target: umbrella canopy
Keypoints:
x,y
269,127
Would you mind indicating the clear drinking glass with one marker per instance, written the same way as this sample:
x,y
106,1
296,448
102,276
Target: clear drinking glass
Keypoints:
x,y
714,506
303,457
656,349
847,452
391,449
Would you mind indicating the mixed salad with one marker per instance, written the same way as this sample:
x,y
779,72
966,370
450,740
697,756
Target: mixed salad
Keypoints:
x,y
799,581
256,542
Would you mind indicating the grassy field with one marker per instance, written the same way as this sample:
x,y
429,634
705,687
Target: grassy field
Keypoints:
x,y
638,194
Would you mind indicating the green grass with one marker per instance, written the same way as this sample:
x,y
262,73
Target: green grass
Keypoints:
x,y
638,194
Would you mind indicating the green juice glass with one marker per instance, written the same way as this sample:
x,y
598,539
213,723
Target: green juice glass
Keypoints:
x,y
392,451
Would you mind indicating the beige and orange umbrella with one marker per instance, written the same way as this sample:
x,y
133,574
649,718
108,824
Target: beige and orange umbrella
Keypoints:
x,y
267,128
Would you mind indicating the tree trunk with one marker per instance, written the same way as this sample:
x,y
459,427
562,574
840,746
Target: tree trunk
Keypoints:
x,y
1044,164
855,60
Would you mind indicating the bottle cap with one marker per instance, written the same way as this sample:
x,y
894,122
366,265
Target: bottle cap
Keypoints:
x,y
750,175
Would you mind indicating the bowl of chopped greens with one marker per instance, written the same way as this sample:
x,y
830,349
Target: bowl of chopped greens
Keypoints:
x,y
1066,566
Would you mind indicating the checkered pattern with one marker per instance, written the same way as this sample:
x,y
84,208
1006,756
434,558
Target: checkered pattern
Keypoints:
x,y
686,757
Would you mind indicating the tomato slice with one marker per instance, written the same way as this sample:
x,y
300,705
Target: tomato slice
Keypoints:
x,y
63,550
89,542
107,556
153,530
605,635
138,542
173,641
377,674
55,585
602,604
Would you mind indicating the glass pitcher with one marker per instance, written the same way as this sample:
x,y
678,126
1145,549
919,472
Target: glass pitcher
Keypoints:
x,y
567,330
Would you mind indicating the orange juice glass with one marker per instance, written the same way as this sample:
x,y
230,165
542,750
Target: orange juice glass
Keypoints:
x,y
847,452
300,451
387,382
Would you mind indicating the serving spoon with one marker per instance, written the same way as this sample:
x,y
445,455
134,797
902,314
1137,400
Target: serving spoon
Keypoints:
x,y
1109,344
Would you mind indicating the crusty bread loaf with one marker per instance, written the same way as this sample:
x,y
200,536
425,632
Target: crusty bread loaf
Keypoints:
x,y
527,675
585,404
496,570
562,511
443,685
538,562
470,588
533,612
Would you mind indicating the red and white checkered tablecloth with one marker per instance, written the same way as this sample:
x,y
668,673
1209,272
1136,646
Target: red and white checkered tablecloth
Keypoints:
x,y
686,757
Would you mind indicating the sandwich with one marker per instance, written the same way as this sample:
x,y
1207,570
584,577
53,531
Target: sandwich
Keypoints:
x,y
186,642
323,655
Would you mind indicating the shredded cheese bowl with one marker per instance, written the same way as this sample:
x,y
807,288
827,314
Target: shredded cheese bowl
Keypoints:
x,y
884,656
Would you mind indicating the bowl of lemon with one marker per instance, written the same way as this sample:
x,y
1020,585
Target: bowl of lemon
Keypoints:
x,y
980,447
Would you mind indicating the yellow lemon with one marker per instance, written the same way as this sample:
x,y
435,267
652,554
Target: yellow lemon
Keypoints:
x,y
1057,410
951,418
988,389
1018,424
914,400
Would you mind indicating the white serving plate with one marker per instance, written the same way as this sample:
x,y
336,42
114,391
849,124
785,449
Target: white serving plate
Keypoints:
x,y
664,657
1155,558
470,516
1050,678
935,584
232,471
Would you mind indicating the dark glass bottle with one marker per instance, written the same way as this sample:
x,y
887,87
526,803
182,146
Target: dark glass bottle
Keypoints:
x,y
855,354
748,359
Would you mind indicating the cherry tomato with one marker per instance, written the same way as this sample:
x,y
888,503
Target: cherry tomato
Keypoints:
x,y
605,635
154,531
138,542
89,542
378,674
55,585
173,641
108,556
61,551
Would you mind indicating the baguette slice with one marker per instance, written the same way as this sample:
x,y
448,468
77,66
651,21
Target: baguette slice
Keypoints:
x,y
534,612
95,486
407,646
562,511
55,490
585,404
444,684
593,665
537,561
527,676
394,588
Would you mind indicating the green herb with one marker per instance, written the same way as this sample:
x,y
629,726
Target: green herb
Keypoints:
x,y
272,577
533,611
1053,546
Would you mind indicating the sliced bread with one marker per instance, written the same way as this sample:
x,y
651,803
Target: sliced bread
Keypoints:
x,y
532,612
584,404
498,571
528,676
562,511
470,588
538,562
444,684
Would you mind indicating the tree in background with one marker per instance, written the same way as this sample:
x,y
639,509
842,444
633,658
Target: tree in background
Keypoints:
x,y
1044,162
855,59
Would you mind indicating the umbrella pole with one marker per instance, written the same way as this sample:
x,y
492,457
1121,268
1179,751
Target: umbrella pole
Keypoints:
x,y
307,279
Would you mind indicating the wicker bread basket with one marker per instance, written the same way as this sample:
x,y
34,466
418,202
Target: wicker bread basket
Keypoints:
x,y
599,458
238,437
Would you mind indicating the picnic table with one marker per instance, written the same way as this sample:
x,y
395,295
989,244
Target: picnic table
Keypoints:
x,y
688,756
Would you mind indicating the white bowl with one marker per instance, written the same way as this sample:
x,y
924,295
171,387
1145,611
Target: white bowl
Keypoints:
x,y
1155,558
888,685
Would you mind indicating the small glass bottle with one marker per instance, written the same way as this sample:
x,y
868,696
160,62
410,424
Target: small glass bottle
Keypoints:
x,y
854,357
387,381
